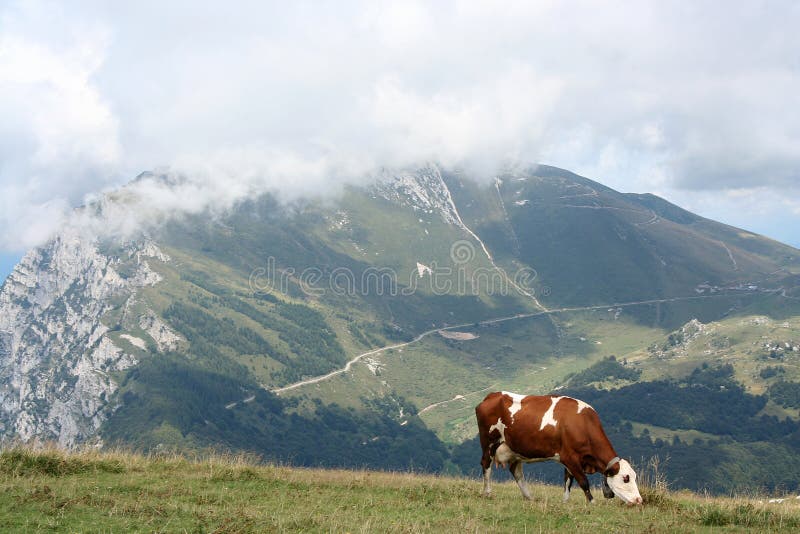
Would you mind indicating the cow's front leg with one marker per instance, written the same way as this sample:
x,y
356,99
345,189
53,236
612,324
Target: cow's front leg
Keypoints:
x,y
568,478
487,481
582,479
583,482
516,469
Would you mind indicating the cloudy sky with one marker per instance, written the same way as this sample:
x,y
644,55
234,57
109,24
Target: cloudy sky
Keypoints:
x,y
696,101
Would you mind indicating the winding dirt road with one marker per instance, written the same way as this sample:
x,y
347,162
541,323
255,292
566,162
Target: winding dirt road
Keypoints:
x,y
356,359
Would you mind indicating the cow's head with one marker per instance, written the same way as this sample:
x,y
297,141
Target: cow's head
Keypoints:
x,y
622,480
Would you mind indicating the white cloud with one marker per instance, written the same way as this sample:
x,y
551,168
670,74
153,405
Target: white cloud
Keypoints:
x,y
58,137
644,97
485,123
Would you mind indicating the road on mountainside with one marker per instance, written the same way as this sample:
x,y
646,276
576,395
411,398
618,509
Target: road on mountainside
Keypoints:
x,y
544,310
349,364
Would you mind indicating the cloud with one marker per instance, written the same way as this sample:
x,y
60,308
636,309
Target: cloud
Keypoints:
x,y
485,123
648,96
58,136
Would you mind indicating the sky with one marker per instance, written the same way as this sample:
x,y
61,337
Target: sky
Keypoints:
x,y
698,102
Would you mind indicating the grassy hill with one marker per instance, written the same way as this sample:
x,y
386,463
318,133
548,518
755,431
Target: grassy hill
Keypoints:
x,y
118,492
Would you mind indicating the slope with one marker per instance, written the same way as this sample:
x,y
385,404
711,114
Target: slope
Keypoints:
x,y
590,244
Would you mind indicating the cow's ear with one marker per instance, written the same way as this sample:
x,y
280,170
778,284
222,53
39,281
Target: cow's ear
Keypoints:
x,y
613,470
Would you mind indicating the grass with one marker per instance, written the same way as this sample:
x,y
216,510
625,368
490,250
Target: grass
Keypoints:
x,y
50,490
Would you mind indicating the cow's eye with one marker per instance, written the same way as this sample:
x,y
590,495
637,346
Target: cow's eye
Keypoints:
x,y
626,479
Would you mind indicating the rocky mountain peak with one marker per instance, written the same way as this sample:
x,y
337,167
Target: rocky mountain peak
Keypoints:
x,y
56,354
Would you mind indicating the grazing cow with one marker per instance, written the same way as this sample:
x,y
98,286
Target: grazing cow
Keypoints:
x,y
516,429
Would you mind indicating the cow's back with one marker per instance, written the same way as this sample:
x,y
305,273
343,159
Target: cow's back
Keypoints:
x,y
530,431
538,426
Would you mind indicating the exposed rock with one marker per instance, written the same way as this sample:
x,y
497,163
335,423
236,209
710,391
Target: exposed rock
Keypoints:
x,y
163,336
423,190
55,357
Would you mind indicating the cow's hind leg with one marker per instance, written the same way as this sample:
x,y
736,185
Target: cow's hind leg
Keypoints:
x,y
486,464
568,478
516,469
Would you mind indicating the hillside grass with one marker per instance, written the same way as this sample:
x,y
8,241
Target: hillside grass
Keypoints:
x,y
525,355
740,341
50,490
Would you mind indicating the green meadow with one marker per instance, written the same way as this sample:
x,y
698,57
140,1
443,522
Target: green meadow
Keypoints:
x,y
53,491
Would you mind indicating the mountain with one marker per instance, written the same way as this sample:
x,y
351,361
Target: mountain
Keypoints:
x,y
590,244
376,320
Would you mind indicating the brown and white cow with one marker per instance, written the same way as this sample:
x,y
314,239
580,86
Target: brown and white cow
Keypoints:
x,y
516,429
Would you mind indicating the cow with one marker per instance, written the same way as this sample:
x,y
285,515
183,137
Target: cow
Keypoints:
x,y
516,429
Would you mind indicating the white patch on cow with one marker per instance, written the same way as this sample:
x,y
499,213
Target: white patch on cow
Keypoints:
x,y
582,405
501,427
549,416
516,404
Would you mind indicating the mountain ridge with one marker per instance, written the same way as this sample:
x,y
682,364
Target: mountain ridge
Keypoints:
x,y
269,296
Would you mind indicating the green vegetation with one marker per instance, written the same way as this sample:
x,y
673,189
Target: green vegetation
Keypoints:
x,y
785,393
770,372
606,369
313,347
197,325
115,492
170,403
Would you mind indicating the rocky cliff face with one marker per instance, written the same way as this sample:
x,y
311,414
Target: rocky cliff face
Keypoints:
x,y
57,353
421,190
